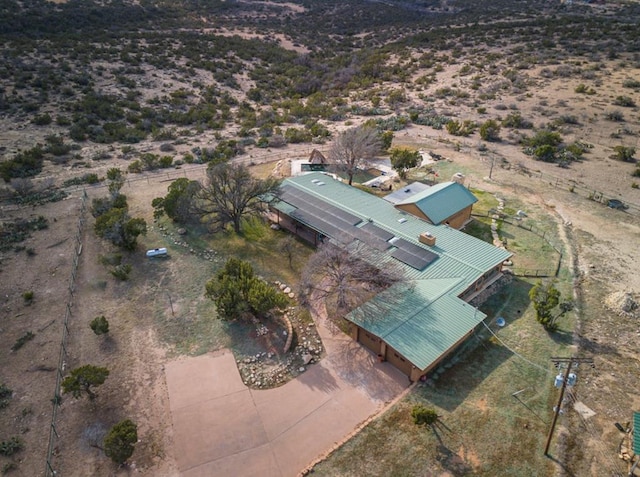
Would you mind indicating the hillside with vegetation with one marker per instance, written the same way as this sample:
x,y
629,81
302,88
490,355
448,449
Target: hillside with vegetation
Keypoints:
x,y
97,92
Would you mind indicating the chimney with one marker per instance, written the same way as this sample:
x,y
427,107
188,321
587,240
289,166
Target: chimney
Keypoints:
x,y
427,238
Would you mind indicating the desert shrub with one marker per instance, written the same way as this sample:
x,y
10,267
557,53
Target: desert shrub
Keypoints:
x,y
615,116
23,186
394,123
456,128
188,158
624,101
544,137
567,119
42,119
636,172
99,325
624,153
89,178
120,441
277,140
429,118
296,135
631,83
165,162
5,395
56,145
63,121
24,164
111,259
122,271
514,120
490,130
135,167
28,297
24,339
10,447
423,416
583,89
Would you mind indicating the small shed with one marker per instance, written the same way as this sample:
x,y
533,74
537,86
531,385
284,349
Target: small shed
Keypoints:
x,y
317,157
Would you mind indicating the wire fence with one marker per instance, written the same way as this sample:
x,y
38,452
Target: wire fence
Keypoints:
x,y
53,431
582,190
543,234
200,170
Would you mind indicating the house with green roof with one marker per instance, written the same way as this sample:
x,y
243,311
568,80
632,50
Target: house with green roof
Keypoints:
x,y
418,322
445,203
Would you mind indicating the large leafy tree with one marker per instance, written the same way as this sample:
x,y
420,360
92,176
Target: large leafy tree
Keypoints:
x,y
120,441
119,228
545,298
231,194
353,148
237,291
404,159
84,378
178,203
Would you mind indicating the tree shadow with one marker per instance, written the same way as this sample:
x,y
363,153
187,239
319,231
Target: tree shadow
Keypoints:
x,y
108,344
593,346
510,302
319,377
448,459
561,337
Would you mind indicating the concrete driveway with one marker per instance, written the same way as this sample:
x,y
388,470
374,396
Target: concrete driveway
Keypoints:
x,y
222,428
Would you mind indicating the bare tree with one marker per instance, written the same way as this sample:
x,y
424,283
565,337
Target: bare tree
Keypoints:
x,y
23,186
232,193
353,147
344,276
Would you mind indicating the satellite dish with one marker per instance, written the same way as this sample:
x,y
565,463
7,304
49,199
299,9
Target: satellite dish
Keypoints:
x,y
500,322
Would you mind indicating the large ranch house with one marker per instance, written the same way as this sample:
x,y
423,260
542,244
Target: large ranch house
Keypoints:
x,y
418,322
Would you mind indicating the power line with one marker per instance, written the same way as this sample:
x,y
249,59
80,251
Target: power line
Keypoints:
x,y
515,352
568,379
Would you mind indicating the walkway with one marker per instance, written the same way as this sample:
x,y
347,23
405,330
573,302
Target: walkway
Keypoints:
x,y
223,428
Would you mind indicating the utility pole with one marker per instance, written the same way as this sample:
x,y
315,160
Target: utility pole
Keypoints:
x,y
566,380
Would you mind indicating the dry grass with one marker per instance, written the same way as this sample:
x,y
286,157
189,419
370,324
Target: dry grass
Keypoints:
x,y
483,429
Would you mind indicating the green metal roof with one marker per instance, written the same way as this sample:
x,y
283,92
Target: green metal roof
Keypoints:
x,y
441,201
459,255
636,433
428,318
419,319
